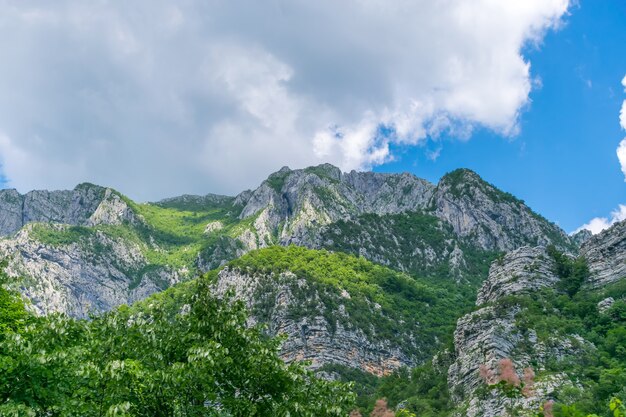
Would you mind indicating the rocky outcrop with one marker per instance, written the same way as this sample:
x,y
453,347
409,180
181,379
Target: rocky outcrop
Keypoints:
x,y
606,256
492,333
298,205
91,275
521,271
491,219
112,210
581,236
85,205
11,212
293,307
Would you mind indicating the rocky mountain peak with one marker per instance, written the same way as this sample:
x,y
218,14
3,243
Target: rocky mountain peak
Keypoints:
x,y
581,236
606,255
490,218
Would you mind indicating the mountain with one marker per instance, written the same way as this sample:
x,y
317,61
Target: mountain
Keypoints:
x,y
291,206
447,299
92,248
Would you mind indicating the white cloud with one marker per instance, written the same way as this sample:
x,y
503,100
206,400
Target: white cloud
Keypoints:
x,y
621,156
157,99
598,224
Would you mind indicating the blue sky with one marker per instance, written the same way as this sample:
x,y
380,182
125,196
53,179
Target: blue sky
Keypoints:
x,y
563,162
213,96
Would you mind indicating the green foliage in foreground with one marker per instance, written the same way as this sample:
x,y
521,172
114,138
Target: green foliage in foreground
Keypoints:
x,y
13,315
155,360
422,390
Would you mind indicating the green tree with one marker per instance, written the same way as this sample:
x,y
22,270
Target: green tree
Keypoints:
x,y
158,359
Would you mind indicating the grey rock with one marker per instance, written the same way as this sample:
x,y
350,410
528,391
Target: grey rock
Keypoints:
x,y
297,205
274,300
490,334
85,205
606,304
521,271
606,256
489,218
77,279
11,212
581,236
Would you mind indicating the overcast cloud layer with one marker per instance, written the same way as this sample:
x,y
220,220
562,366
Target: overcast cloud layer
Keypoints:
x,y
210,96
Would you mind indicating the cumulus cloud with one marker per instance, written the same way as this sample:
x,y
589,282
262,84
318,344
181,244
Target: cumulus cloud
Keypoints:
x,y
598,224
157,98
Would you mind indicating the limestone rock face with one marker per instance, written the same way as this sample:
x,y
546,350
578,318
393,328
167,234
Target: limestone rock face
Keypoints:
x,y
112,210
81,278
293,307
298,205
581,237
521,271
482,337
11,212
606,256
491,333
295,205
85,205
490,218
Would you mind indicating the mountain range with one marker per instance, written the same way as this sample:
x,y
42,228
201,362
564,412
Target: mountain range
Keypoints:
x,y
366,274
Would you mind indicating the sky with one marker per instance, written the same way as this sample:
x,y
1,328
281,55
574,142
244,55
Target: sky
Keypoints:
x,y
158,99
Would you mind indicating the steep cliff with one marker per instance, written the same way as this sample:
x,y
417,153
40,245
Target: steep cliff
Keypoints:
x,y
336,309
89,274
293,206
490,218
544,316
606,256
73,207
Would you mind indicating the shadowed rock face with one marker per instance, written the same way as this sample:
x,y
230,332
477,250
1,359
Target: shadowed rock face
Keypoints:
x,y
73,207
489,218
91,276
581,237
606,256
